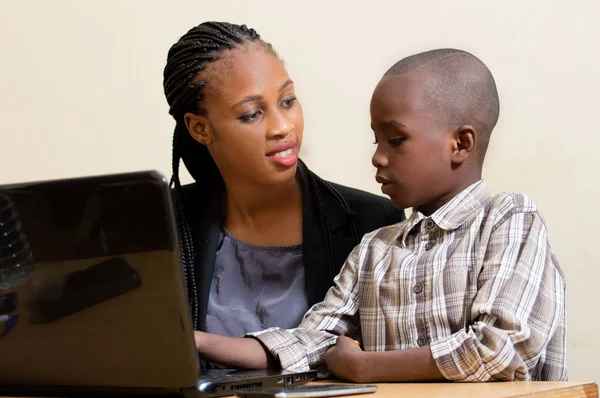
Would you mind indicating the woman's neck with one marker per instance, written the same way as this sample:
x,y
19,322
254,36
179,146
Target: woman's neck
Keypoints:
x,y
265,214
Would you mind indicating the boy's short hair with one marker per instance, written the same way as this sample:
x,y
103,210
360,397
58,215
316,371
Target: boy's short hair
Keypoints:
x,y
459,86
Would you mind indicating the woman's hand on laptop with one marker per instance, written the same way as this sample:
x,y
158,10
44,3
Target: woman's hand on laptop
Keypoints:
x,y
233,352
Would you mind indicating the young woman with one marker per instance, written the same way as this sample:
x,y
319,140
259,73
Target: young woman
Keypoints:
x,y
262,237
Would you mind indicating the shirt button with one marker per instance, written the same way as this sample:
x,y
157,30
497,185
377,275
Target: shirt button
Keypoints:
x,y
418,288
421,340
429,224
429,245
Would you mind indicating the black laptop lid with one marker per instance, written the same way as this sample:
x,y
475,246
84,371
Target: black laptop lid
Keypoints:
x,y
91,291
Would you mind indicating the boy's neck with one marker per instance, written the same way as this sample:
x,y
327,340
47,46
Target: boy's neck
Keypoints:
x,y
430,208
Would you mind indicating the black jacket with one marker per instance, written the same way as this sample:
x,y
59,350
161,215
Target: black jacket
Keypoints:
x,y
345,224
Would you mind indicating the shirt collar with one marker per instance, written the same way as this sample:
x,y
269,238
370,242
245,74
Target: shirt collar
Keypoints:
x,y
454,213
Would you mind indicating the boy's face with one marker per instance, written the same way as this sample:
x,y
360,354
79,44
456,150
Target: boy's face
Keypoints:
x,y
414,145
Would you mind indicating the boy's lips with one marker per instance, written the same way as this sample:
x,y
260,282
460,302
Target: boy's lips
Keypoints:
x,y
386,185
382,180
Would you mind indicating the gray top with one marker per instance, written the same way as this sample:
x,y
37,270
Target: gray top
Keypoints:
x,y
255,287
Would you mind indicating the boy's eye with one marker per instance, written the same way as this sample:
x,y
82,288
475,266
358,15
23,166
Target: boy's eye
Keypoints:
x,y
396,141
393,142
288,103
250,117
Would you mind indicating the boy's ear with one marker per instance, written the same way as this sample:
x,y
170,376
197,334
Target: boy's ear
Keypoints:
x,y
199,128
464,144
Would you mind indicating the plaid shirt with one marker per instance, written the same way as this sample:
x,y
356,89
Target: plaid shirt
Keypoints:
x,y
476,280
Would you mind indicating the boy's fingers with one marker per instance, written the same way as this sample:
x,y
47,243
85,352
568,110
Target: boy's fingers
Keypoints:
x,y
348,340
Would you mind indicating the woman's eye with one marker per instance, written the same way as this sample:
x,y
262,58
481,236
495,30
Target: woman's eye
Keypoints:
x,y
288,103
250,117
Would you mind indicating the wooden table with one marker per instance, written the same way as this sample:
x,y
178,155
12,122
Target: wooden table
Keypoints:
x,y
486,390
570,389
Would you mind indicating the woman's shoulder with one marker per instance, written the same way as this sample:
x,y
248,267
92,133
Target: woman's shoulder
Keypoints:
x,y
196,194
190,190
194,200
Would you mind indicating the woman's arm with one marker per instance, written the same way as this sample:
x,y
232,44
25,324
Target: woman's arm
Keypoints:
x,y
234,352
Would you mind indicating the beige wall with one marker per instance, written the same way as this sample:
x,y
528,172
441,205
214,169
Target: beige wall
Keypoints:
x,y
81,93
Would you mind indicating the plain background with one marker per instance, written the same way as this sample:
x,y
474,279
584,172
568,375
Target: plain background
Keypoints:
x,y
81,93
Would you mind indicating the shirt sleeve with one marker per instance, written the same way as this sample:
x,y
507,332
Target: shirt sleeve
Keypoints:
x,y
303,348
518,310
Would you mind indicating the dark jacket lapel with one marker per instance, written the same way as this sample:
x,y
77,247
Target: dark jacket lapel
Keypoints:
x,y
337,219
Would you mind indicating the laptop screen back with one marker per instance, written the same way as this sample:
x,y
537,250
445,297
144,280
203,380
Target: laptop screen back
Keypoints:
x,y
92,287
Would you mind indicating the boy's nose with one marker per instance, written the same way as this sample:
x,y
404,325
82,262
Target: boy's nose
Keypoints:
x,y
379,159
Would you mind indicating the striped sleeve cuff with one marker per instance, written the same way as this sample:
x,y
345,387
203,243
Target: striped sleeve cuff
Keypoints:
x,y
452,360
284,346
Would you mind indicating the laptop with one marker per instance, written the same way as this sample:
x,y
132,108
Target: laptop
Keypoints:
x,y
92,294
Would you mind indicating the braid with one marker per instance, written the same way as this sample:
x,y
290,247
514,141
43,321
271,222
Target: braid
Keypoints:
x,y
186,244
183,89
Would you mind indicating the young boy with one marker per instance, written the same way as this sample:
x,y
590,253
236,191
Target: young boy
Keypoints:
x,y
466,289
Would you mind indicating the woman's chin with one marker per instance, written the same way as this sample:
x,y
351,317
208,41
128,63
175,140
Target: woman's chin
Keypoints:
x,y
282,175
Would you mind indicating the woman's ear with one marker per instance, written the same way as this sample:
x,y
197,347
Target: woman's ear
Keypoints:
x,y
464,144
199,128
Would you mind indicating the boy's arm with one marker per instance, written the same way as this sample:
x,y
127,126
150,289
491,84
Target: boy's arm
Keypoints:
x,y
517,313
348,362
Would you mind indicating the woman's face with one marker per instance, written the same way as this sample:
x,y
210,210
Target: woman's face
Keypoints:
x,y
253,124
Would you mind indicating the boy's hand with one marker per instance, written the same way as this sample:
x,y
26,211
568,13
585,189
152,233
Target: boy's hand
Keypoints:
x,y
343,359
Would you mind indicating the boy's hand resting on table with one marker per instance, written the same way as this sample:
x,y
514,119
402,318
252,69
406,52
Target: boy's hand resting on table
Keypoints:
x,y
347,361
343,359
